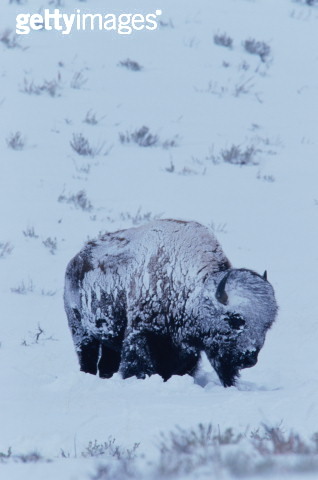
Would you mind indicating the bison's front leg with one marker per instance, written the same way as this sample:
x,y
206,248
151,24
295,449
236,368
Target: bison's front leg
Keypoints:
x,y
136,358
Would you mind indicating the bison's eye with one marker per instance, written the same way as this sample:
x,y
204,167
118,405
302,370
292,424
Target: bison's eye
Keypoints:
x,y
235,320
100,322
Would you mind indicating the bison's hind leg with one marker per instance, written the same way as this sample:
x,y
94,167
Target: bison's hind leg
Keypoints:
x,y
95,357
86,346
109,362
88,354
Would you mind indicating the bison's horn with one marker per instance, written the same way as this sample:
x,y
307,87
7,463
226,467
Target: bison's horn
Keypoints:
x,y
221,294
265,275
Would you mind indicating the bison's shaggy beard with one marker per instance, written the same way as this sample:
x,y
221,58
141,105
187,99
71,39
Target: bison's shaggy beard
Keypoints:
x,y
226,370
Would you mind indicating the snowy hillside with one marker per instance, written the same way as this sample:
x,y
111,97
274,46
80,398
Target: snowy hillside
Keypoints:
x,y
211,117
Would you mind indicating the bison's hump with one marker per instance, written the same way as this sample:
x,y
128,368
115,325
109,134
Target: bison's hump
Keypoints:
x,y
163,244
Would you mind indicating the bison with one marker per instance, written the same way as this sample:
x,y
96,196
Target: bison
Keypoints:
x,y
149,300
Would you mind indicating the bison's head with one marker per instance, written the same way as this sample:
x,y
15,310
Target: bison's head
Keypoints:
x,y
238,311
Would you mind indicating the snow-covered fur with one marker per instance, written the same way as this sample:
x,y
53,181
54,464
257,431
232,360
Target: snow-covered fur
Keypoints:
x,y
150,299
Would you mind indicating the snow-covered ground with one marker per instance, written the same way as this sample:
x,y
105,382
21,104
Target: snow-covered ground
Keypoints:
x,y
207,103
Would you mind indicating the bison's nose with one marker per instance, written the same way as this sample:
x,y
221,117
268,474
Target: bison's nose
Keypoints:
x,y
250,359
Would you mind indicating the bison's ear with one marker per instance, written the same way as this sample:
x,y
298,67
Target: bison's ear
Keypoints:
x,y
265,275
221,294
